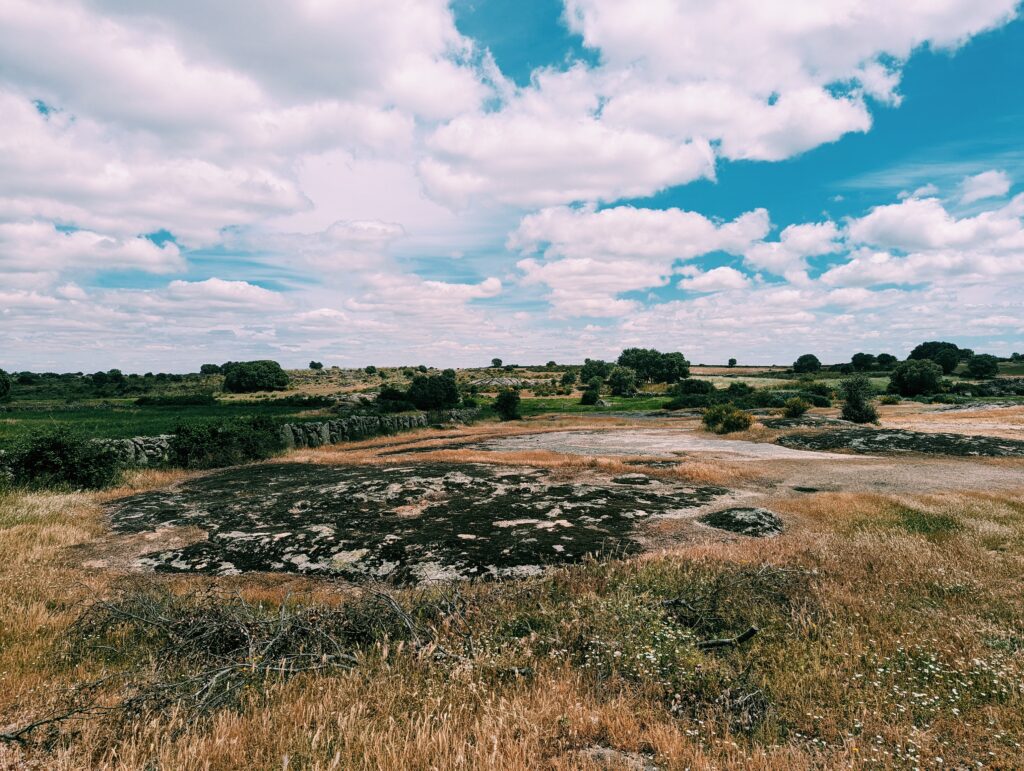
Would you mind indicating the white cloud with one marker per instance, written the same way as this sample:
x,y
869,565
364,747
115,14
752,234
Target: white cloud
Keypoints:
x,y
988,184
715,280
215,291
795,244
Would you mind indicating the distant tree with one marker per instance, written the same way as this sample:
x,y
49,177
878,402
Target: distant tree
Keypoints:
x,y
551,364
568,378
594,368
622,381
495,362
653,366
422,368
250,376
209,369
932,348
316,365
983,366
863,361
507,404
1016,356
732,362
5,386
370,369
886,361
807,363
857,392
915,377
592,393
948,359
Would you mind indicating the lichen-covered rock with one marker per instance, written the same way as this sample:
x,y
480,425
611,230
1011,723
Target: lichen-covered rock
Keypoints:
x,y
755,522
880,441
407,523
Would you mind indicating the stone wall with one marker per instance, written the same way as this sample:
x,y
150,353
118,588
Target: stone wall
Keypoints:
x,y
155,450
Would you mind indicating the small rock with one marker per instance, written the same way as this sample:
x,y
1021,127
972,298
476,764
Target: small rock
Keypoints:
x,y
757,523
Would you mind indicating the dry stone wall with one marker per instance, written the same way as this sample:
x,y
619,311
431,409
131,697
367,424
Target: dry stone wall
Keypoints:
x,y
155,450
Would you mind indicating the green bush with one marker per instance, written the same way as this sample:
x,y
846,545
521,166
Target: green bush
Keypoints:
x,y
507,404
209,369
245,377
62,458
726,418
568,379
819,388
434,392
592,394
891,399
948,359
981,366
692,386
225,442
795,407
316,365
5,385
857,392
886,361
915,377
594,368
863,361
622,381
392,399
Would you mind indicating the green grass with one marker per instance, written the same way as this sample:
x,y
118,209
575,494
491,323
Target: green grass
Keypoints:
x,y
128,420
571,404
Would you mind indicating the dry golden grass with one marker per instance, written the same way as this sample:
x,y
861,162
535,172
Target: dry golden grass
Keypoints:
x,y
902,647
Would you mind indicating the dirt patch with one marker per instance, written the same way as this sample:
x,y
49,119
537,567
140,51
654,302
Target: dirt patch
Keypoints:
x,y
893,441
404,523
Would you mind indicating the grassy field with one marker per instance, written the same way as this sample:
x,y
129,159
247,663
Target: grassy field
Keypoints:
x,y
120,421
890,637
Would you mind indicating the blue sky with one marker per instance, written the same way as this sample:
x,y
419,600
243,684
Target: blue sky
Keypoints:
x,y
450,182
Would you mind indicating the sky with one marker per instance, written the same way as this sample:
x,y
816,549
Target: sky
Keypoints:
x,y
421,181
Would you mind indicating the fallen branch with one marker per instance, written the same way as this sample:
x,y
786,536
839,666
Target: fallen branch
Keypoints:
x,y
727,642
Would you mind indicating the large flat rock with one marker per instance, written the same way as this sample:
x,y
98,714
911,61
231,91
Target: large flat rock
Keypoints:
x,y
405,523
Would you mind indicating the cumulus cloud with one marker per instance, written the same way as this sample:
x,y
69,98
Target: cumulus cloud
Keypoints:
x,y
795,244
988,184
715,280
590,256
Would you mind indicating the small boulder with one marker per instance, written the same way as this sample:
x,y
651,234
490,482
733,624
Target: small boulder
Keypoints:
x,y
756,523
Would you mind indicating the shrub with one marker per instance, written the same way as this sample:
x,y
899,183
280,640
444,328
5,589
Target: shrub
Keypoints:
x,y
392,399
807,363
915,377
726,418
592,393
434,392
568,379
369,369
5,385
622,381
891,399
63,458
886,361
932,348
209,369
507,404
250,376
732,362
948,359
200,398
692,386
983,366
316,365
795,407
819,388
225,442
856,392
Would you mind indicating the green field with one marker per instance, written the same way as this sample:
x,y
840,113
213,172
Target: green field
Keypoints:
x,y
128,420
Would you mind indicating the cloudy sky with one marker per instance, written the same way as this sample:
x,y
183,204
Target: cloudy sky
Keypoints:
x,y
406,181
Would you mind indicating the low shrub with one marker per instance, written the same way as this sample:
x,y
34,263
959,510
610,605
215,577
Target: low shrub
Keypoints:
x,y
891,399
856,392
64,459
795,407
225,442
726,418
592,394
202,398
507,404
